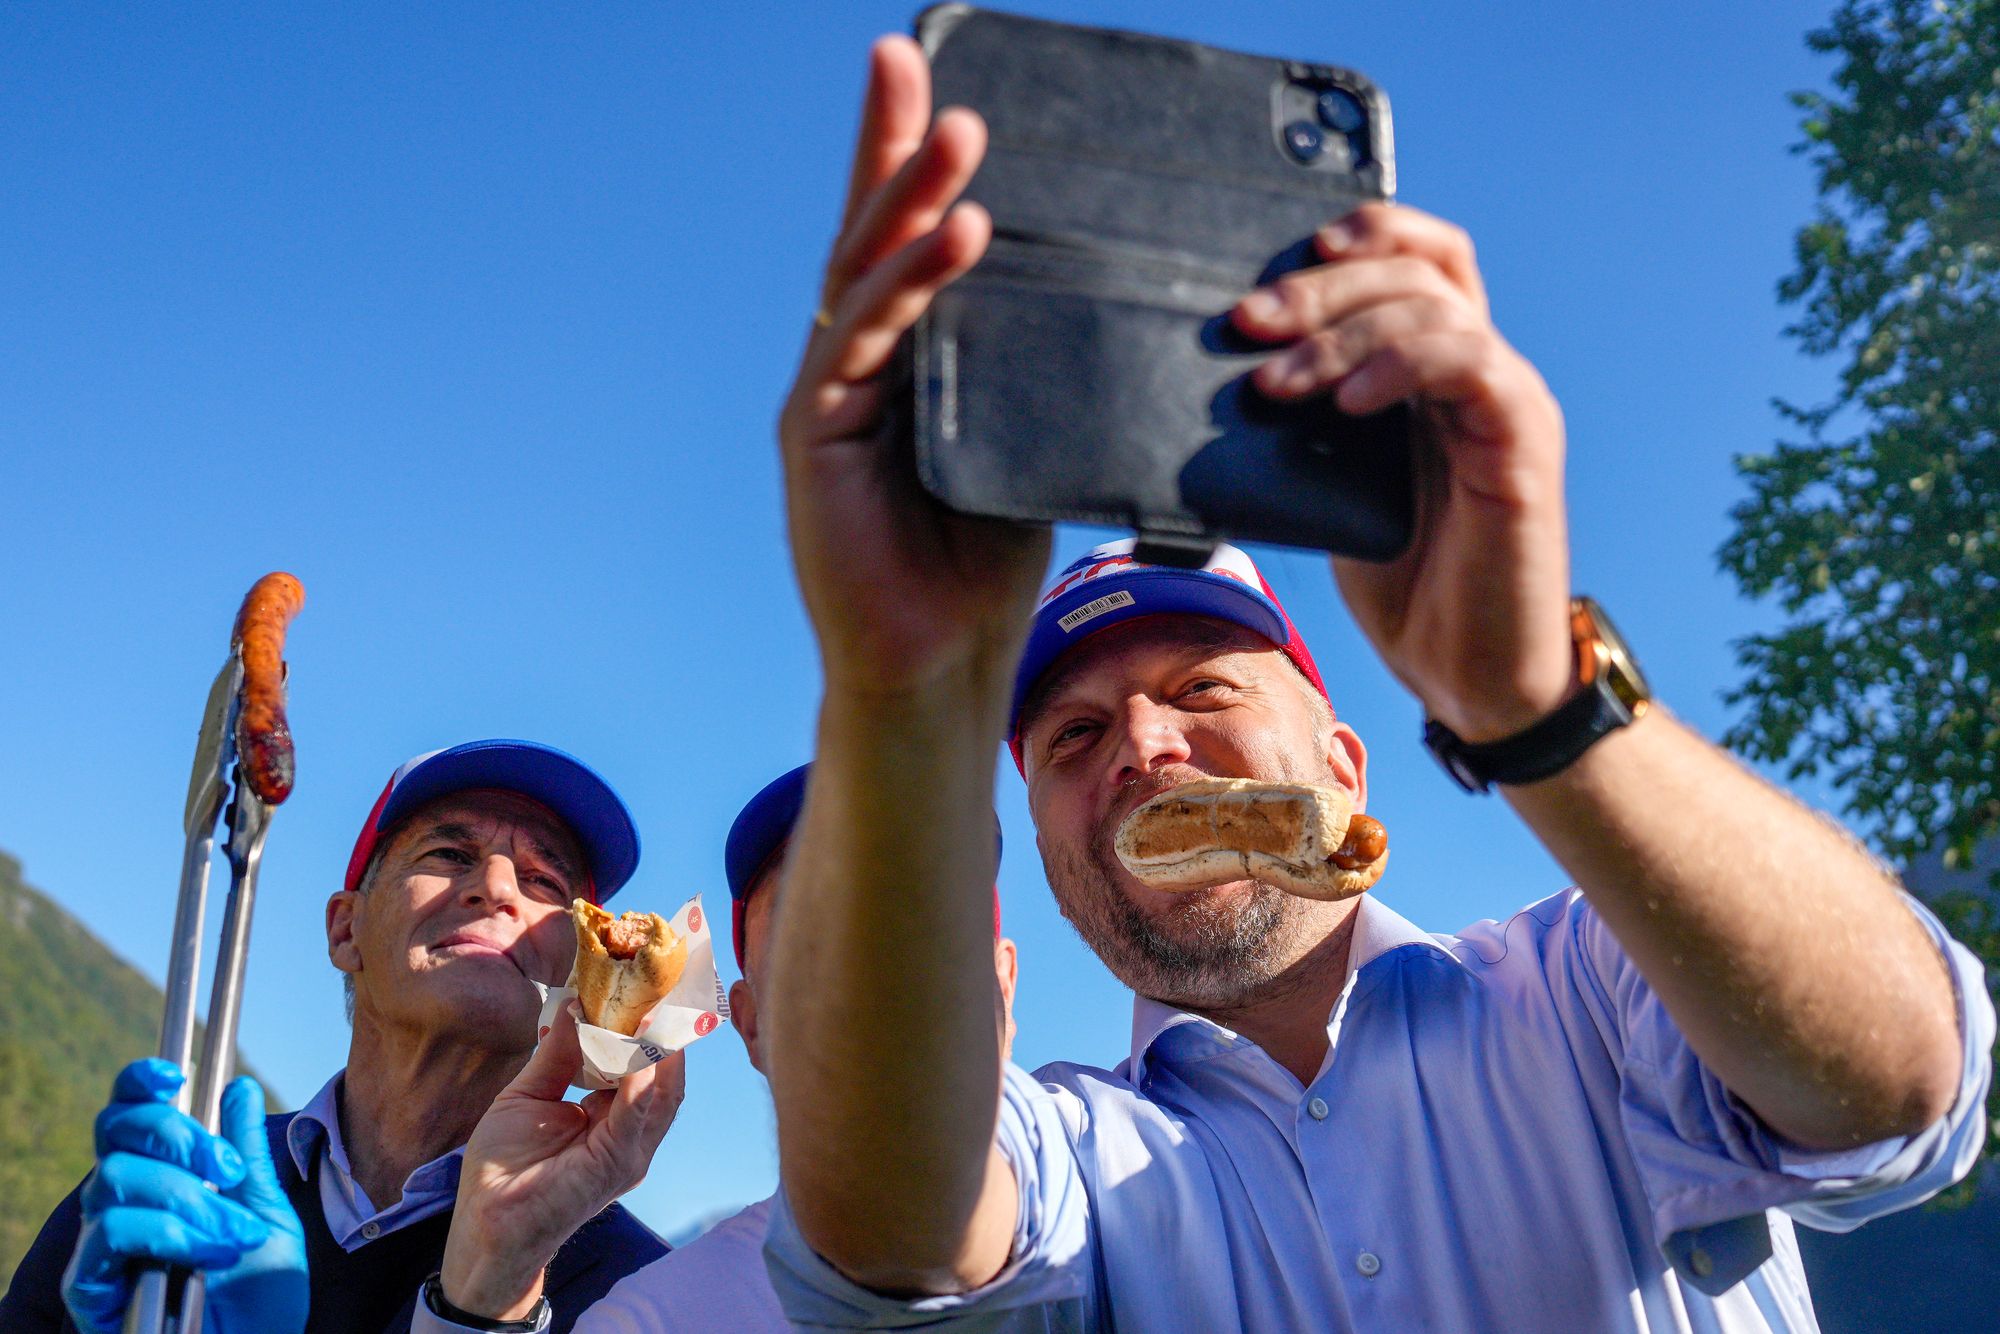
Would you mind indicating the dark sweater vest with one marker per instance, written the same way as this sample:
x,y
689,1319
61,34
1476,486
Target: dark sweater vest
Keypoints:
x,y
372,1290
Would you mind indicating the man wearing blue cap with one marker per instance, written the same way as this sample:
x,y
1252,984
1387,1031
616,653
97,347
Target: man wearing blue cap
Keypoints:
x,y
718,1281
1602,1114
342,1216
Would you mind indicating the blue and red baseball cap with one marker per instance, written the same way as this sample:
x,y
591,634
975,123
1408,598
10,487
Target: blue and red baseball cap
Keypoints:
x,y
1106,586
571,789
758,836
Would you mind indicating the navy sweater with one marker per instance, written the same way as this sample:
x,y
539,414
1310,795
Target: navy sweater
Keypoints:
x,y
372,1290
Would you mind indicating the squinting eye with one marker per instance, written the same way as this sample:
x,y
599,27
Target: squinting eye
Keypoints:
x,y
450,854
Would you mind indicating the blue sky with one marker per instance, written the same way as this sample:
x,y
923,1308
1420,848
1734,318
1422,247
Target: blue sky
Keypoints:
x,y
477,318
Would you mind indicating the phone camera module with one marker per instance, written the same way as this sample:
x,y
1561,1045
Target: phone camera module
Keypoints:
x,y
1304,140
1341,110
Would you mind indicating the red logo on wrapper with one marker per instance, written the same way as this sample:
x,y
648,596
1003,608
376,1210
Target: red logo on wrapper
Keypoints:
x,y
694,918
705,1024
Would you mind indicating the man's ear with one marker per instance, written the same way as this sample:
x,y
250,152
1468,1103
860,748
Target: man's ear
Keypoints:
x,y
1007,968
340,946
743,1017
1349,760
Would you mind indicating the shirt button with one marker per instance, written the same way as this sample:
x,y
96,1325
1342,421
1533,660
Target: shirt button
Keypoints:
x,y
371,1230
1368,1263
1702,1264
1317,1109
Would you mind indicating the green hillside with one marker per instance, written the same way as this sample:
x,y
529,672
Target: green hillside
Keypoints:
x,y
71,1013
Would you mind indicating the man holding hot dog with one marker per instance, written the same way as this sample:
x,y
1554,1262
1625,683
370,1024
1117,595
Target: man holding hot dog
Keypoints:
x,y
1602,1114
718,1281
347,1215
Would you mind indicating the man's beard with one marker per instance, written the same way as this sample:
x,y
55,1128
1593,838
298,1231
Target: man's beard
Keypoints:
x,y
1205,952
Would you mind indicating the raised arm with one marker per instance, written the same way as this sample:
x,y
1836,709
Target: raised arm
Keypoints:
x,y
883,1053
1780,948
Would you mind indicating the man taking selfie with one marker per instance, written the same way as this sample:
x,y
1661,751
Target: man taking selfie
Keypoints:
x,y
1601,1114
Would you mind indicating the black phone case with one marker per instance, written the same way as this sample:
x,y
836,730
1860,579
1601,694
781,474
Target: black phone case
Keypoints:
x,y
1085,370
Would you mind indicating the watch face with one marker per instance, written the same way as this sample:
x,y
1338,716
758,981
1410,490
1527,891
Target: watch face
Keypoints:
x,y
1621,670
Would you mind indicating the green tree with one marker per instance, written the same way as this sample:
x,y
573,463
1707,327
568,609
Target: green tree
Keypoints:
x,y
1878,533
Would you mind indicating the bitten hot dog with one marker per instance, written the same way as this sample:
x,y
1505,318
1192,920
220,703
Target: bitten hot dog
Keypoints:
x,y
263,736
624,965
1303,839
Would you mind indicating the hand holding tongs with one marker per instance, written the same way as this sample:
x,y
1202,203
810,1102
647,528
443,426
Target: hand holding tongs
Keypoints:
x,y
244,755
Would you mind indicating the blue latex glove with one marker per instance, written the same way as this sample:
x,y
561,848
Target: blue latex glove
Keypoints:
x,y
150,1199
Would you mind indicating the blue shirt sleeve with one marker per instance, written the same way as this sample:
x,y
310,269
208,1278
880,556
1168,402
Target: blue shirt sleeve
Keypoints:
x,y
1709,1164
1045,1284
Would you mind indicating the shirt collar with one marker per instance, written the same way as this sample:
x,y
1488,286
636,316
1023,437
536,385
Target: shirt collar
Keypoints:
x,y
1378,930
318,1122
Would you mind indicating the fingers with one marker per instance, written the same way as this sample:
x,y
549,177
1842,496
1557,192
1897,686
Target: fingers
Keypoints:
x,y
125,1181
910,203
895,113
1326,357
243,1127
97,1286
148,1079
1489,394
1374,254
885,303
554,1063
1377,230
834,397
155,1130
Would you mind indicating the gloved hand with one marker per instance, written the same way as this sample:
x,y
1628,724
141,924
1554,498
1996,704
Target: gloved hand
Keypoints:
x,y
147,1201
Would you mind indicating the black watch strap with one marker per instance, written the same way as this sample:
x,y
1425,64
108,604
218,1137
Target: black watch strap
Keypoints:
x,y
442,1308
1541,751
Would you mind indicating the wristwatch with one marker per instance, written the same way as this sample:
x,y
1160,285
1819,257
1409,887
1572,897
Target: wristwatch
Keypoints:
x,y
434,1298
1614,693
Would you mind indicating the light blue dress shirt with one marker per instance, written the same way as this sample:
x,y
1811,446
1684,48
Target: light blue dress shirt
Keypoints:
x,y
1508,1133
350,1215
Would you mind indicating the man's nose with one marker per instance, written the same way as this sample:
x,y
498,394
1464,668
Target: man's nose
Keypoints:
x,y
495,882
1149,736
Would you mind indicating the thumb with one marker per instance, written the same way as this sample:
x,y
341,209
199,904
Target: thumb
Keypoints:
x,y
243,1127
554,1063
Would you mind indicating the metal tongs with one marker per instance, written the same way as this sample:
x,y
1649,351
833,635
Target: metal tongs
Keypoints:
x,y
242,760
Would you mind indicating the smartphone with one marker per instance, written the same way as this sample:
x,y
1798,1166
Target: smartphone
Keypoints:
x,y
1086,370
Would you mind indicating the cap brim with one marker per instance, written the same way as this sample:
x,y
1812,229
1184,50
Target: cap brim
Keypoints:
x,y
1152,590
566,785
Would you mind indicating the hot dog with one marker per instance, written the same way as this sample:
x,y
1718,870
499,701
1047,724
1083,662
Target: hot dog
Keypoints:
x,y
263,737
1303,839
624,965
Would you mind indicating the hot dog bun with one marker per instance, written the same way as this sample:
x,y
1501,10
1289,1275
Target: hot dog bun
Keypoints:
x,y
624,965
1291,835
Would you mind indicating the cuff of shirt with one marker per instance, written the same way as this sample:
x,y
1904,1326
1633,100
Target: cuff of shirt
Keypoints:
x,y
1049,1232
1715,1234
427,1321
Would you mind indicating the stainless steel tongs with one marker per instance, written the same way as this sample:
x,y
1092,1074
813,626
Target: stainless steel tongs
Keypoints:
x,y
242,762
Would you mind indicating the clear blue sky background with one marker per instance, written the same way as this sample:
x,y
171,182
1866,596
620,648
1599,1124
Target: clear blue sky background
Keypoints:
x,y
477,316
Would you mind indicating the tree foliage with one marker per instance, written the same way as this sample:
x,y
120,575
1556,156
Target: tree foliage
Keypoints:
x,y
1878,533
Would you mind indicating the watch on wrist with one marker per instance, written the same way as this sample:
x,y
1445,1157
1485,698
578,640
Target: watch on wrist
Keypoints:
x,y
441,1307
1613,693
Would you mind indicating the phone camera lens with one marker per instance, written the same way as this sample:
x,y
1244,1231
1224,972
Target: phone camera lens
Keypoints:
x,y
1341,110
1304,140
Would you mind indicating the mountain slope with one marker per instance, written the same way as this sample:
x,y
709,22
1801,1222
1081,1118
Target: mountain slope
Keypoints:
x,y
71,1013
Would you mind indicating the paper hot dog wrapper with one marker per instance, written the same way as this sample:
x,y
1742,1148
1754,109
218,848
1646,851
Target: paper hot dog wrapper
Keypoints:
x,y
693,1009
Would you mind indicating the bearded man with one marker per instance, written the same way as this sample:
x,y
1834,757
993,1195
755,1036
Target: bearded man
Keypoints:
x,y
1601,1114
